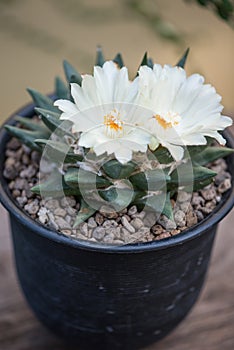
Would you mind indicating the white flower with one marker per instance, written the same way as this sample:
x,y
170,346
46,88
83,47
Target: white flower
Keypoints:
x,y
104,112
185,110
114,134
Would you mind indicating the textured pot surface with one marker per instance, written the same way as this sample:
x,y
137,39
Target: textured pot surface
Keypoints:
x,y
110,297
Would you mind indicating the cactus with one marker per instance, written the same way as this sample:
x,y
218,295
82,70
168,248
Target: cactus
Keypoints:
x,y
110,177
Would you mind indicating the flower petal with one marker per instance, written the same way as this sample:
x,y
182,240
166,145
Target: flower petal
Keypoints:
x,y
185,110
68,108
177,152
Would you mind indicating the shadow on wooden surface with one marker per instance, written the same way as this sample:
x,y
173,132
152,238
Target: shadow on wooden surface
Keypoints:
x,y
39,50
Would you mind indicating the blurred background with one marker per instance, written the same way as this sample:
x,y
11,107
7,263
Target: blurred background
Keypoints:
x,y
36,35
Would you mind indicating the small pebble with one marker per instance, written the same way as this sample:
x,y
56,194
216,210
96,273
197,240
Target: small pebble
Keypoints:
x,y
35,157
222,163
143,231
127,225
68,201
84,228
184,197
21,184
174,232
140,215
118,241
162,236
11,185
10,172
99,218
16,193
9,162
68,219
92,239
112,230
108,212
127,217
109,238
60,212
208,193
63,224
10,154
219,178
13,144
92,223
123,211
124,234
22,200
25,160
224,186
109,223
167,223
180,219
42,215
77,206
197,200
200,215
99,233
157,229
191,219
28,193
52,204
132,238
150,219
185,206
205,210
32,208
132,210
18,154
211,204
66,232
219,165
90,232
80,236
137,223
71,211
29,172
25,149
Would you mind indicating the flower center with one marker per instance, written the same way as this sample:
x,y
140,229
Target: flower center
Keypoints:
x,y
113,124
168,119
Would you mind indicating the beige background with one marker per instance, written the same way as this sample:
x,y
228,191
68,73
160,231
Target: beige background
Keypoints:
x,y
36,35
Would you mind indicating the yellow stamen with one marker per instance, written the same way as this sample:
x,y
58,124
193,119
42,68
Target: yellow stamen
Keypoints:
x,y
174,120
113,123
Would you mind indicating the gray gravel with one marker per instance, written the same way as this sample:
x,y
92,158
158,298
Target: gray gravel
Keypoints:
x,y
127,226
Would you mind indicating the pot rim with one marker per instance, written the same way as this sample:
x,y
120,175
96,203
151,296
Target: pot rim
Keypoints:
x,y
217,215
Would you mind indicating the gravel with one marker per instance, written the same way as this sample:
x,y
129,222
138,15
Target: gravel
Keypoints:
x,y
180,218
127,225
107,226
92,223
99,233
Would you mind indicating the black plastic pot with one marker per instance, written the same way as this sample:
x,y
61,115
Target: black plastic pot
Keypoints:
x,y
104,297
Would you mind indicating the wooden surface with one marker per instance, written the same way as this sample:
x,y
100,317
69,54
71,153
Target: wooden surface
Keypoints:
x,y
39,51
209,326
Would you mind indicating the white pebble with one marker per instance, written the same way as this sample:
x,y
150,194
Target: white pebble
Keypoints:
x,y
92,223
137,223
127,225
99,233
